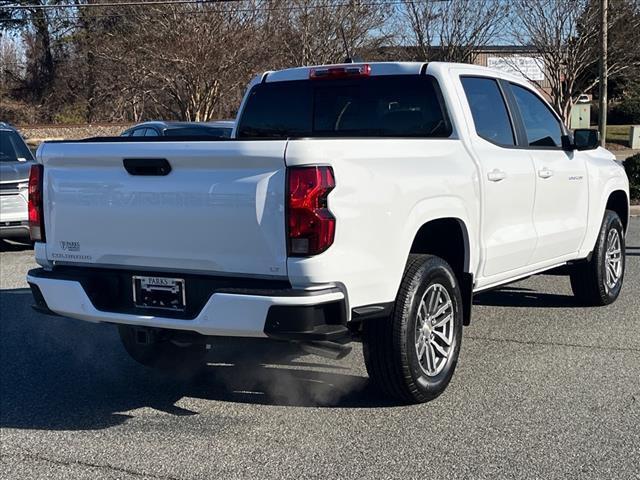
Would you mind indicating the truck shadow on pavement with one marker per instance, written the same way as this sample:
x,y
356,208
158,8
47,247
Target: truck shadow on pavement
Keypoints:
x,y
516,296
13,246
523,297
62,374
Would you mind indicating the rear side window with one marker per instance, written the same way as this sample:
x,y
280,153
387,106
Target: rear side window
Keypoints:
x,y
277,110
12,147
542,127
489,110
382,106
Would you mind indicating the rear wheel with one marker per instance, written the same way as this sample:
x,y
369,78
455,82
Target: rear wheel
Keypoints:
x,y
156,348
412,355
598,281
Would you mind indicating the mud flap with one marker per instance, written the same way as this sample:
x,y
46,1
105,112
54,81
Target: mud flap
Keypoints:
x,y
466,289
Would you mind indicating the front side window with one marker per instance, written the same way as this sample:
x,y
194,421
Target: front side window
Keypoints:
x,y
379,106
140,132
489,110
542,126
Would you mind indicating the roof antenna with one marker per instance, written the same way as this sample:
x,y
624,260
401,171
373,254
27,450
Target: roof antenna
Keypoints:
x,y
349,58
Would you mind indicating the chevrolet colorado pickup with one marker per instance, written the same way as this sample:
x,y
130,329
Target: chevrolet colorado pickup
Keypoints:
x,y
363,202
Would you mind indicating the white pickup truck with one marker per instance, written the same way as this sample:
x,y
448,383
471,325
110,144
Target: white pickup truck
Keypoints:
x,y
363,202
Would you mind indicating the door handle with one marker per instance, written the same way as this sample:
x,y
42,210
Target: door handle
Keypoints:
x,y
545,173
496,175
147,166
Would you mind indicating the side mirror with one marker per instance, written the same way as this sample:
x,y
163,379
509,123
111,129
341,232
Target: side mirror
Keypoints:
x,y
586,139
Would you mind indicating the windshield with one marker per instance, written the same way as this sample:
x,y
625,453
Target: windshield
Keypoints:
x,y
13,148
217,132
382,106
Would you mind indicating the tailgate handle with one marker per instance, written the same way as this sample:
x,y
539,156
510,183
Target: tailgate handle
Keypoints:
x,y
147,166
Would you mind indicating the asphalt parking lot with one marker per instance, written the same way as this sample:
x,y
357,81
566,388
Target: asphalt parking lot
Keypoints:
x,y
544,389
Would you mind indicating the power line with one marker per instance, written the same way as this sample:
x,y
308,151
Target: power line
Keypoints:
x,y
61,6
151,3
114,4
208,11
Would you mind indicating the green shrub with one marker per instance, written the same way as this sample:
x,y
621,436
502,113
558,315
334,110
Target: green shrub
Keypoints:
x,y
632,166
626,112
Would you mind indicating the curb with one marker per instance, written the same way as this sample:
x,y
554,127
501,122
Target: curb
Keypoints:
x,y
634,210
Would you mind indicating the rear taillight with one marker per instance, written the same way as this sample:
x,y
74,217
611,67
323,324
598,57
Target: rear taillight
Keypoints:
x,y
36,218
310,224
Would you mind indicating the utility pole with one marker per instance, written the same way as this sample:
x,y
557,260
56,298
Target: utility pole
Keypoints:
x,y
604,27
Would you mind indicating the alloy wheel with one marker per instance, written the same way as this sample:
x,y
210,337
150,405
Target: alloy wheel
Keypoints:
x,y
434,330
613,260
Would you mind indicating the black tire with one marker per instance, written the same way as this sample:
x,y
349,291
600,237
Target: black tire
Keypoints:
x,y
160,352
389,344
589,278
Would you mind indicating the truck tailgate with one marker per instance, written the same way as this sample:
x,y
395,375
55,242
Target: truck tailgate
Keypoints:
x,y
219,210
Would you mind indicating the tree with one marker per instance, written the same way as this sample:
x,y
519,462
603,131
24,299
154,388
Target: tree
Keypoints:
x,y
312,32
40,72
624,46
192,62
452,31
565,36
182,62
11,72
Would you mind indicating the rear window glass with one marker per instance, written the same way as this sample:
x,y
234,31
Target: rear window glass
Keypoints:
x,y
383,106
12,147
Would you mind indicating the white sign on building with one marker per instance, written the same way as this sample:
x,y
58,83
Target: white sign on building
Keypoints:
x,y
531,68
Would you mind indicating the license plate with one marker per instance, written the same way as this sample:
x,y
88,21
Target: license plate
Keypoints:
x,y
159,292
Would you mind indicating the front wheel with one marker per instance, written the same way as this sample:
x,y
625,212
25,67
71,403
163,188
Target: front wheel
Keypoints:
x,y
412,355
598,281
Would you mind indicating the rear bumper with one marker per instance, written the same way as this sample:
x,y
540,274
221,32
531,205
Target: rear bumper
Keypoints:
x,y
14,215
285,314
14,229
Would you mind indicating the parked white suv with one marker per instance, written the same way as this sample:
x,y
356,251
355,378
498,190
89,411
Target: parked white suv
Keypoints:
x,y
356,202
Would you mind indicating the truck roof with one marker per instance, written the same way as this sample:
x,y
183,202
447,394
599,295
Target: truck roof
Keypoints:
x,y
178,124
385,68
